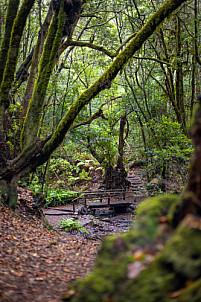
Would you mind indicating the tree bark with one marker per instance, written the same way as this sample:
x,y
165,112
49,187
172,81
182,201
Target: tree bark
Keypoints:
x,y
10,17
8,75
191,196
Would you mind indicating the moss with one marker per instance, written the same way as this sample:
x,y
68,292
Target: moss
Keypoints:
x,y
149,212
11,62
11,14
183,251
8,193
176,271
191,293
47,62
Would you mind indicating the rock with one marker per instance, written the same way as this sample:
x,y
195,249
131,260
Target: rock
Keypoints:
x,y
95,223
106,219
155,181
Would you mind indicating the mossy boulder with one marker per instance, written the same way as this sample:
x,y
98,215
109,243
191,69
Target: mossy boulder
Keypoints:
x,y
152,262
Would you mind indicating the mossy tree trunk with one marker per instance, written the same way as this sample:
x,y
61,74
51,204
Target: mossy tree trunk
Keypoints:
x,y
191,197
12,12
116,177
34,151
179,93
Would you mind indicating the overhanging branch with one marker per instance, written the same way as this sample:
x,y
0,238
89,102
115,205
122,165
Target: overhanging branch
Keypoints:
x,y
104,82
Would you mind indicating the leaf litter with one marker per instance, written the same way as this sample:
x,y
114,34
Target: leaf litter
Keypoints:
x,y
37,264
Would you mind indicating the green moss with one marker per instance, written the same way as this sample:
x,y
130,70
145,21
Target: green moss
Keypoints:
x,y
11,62
176,266
157,206
183,251
8,193
11,14
149,211
47,62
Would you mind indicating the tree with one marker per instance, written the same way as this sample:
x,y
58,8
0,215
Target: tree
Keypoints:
x,y
36,151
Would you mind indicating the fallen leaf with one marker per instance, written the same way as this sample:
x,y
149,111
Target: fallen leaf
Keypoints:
x,y
139,255
134,269
163,219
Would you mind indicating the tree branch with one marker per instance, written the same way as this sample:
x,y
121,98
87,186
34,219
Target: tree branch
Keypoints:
x,y
153,59
92,46
104,82
95,116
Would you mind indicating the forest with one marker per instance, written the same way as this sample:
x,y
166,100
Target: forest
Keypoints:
x,y
92,93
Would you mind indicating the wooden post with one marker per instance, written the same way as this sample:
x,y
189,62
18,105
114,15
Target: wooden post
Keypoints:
x,y
108,198
124,195
85,200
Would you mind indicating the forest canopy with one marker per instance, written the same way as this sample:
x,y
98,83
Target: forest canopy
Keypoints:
x,y
78,67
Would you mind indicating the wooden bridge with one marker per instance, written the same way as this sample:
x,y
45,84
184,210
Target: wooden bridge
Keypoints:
x,y
116,200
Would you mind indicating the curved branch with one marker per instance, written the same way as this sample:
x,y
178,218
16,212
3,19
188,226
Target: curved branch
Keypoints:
x,y
95,116
153,59
104,82
92,46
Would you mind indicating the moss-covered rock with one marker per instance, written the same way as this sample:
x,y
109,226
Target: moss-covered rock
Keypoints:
x,y
152,262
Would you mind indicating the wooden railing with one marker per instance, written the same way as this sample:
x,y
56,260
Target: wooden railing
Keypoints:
x,y
99,199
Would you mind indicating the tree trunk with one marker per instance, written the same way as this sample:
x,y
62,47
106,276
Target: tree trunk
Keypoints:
x,y
8,189
10,17
116,178
191,197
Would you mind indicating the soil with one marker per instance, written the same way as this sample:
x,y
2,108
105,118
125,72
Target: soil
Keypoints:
x,y
37,264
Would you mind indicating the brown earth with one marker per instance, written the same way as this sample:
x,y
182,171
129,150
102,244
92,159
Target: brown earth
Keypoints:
x,y
37,264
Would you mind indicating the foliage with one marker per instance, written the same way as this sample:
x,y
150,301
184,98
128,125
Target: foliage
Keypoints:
x,y
173,154
71,224
59,196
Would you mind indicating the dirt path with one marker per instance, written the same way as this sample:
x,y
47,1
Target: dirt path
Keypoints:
x,y
37,264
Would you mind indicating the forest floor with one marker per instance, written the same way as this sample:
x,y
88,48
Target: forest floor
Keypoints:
x,y
37,264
